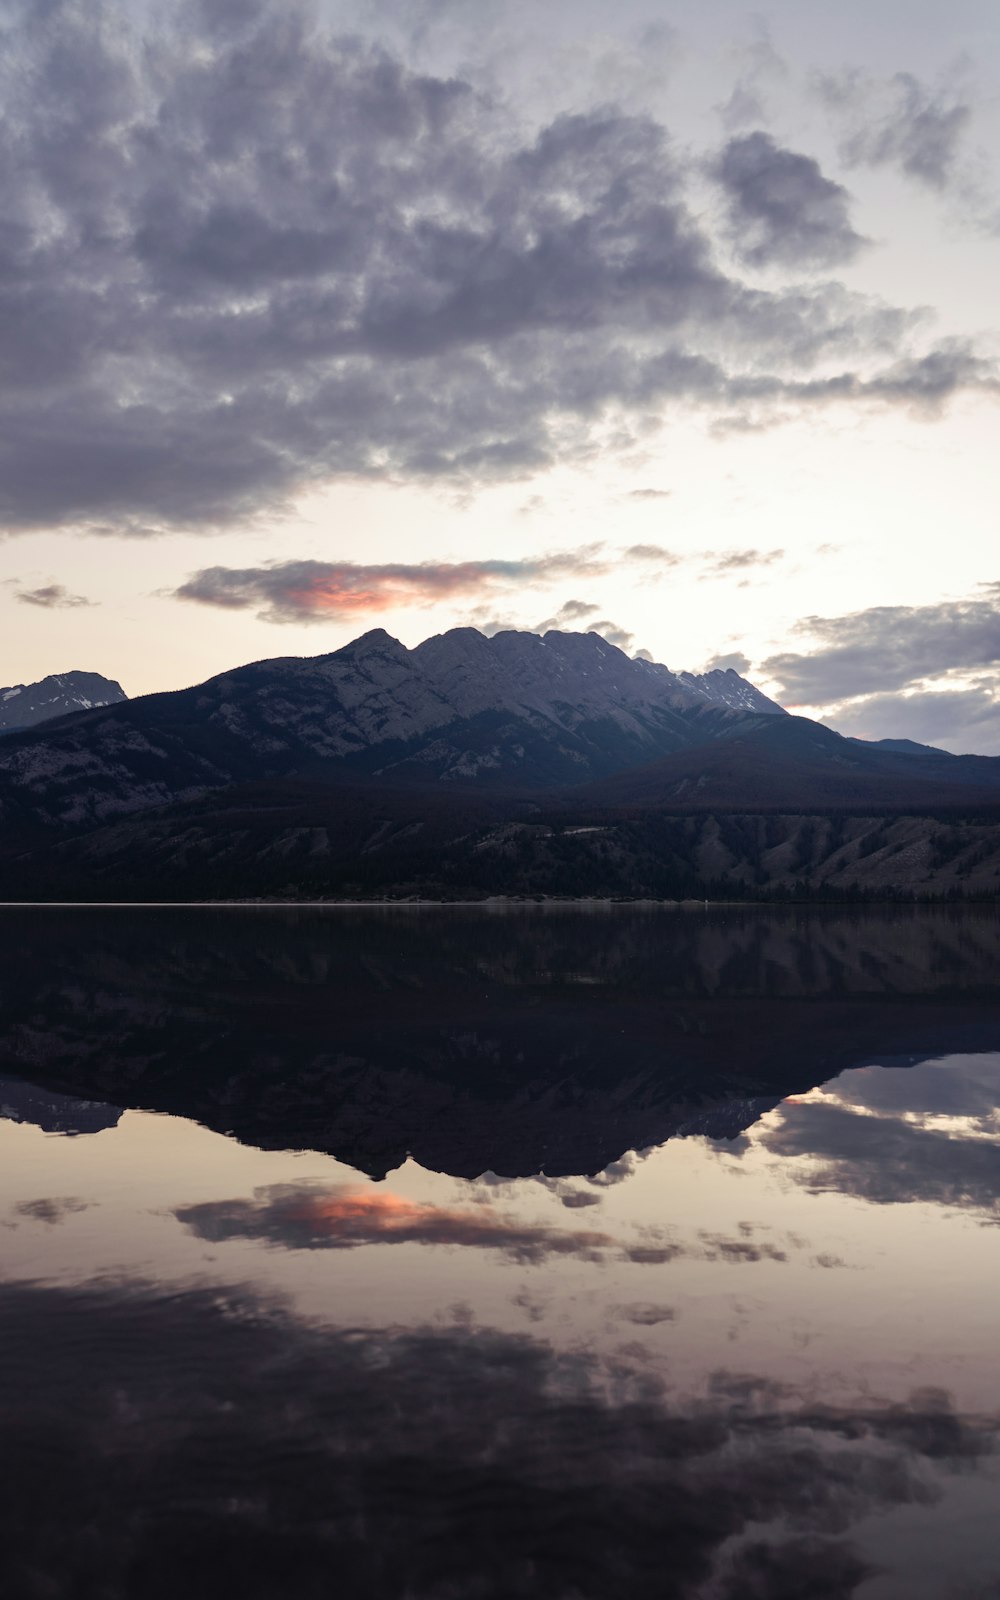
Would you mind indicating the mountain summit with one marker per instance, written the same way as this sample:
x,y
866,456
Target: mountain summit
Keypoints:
x,y
515,764
25,705
515,710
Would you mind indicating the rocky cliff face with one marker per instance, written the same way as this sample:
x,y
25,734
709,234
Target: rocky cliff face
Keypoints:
x,y
515,710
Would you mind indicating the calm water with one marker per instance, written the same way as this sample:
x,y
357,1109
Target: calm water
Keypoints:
x,y
443,1254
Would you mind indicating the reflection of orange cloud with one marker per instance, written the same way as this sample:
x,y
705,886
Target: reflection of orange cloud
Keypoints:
x,y
344,1218
296,1217
345,1212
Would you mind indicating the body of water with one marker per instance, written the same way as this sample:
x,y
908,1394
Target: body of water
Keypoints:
x,y
468,1255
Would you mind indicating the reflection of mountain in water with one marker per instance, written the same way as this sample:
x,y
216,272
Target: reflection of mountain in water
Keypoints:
x,y
515,1042
54,1113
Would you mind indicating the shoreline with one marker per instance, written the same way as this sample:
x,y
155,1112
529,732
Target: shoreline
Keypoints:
x,y
497,903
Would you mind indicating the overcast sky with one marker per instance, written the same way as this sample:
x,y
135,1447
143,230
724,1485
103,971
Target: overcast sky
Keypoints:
x,y
674,320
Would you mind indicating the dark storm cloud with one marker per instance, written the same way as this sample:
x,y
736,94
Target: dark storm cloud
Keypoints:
x,y
240,258
886,1160
903,123
889,648
52,597
205,1442
325,591
782,209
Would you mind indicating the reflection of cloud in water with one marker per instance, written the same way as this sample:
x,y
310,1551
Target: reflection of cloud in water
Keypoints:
x,y
645,1315
343,1218
51,1209
966,1088
300,1217
718,1247
195,1444
885,1158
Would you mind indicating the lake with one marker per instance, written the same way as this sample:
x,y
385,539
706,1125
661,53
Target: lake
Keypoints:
x,y
563,1252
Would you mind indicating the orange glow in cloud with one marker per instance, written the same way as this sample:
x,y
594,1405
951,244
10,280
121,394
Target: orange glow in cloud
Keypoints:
x,y
362,1216
344,1218
300,591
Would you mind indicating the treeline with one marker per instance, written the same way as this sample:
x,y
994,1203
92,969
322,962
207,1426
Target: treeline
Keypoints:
x,y
764,858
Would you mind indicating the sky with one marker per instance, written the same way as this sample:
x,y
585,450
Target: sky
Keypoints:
x,y
675,321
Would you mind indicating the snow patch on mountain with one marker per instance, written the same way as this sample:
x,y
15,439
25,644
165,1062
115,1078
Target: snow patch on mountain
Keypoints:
x,y
55,696
725,687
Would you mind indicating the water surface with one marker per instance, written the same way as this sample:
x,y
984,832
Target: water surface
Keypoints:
x,y
454,1253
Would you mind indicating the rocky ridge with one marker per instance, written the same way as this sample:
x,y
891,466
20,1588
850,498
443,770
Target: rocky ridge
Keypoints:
x,y
515,709
25,705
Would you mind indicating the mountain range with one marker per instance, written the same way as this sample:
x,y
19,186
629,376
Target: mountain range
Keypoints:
x,y
25,705
453,767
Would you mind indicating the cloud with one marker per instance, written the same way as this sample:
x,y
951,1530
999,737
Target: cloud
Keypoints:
x,y
613,633
762,68
887,1160
801,1566
966,1090
299,1217
52,596
281,1450
781,208
343,1218
735,661
888,648
331,591
962,720
325,591
570,611
51,1210
646,1315
579,615
738,1251
649,494
650,552
741,560
901,123
929,673
244,258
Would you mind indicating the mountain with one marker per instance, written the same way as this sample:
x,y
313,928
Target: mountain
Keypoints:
x,y
725,687
360,839
54,1113
515,711
514,1043
793,763
473,766
25,705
